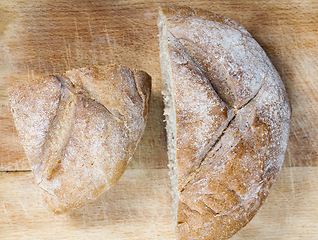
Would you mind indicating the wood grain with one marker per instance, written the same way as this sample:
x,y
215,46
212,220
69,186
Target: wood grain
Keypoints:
x,y
138,208
45,37
290,211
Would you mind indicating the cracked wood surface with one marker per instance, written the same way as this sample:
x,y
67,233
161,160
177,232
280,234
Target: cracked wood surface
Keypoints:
x,y
45,37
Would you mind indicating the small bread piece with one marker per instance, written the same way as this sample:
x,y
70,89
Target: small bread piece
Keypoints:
x,y
228,117
80,129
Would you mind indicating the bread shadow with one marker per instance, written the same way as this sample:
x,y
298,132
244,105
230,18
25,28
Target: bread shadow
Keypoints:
x,y
142,196
288,210
144,184
152,149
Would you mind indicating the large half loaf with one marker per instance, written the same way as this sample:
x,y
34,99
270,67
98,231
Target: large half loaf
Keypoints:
x,y
227,117
80,129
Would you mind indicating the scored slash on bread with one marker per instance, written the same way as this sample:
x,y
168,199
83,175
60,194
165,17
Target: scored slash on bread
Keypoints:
x,y
228,117
80,129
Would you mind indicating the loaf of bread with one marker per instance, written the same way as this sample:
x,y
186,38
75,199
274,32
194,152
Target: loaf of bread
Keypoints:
x,y
80,129
228,117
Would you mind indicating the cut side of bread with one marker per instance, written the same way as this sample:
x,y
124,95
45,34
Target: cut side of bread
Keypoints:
x,y
80,129
227,120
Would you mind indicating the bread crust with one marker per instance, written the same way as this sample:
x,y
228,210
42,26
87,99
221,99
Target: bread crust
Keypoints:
x,y
80,129
231,135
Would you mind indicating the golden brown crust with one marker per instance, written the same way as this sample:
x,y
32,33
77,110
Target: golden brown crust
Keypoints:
x,y
231,177
80,129
180,13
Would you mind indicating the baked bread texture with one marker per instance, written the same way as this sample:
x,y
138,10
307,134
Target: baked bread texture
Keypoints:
x,y
80,129
227,116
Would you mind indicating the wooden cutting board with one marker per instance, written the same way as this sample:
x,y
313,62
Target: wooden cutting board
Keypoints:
x,y
52,36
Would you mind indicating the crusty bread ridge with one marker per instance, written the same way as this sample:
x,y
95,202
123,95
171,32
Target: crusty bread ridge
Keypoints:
x,y
227,116
80,129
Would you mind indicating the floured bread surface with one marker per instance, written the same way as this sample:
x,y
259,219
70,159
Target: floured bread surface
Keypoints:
x,y
80,129
227,117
